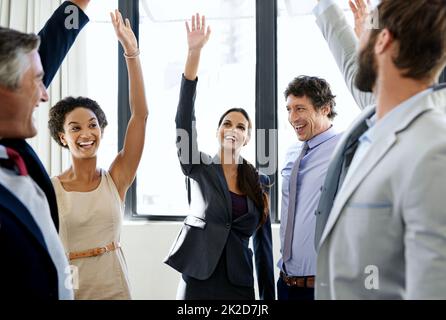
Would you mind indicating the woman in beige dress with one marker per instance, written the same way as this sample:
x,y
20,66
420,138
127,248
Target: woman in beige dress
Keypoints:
x,y
91,200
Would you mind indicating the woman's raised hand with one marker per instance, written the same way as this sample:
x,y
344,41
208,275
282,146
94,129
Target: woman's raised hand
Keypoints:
x,y
124,33
197,34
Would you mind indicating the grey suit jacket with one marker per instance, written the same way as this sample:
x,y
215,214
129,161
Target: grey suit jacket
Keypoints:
x,y
385,232
342,43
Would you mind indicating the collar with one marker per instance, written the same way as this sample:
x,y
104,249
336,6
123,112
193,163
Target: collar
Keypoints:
x,y
3,154
321,137
391,119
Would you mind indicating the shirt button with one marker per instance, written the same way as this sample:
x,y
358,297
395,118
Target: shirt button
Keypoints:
x,y
228,225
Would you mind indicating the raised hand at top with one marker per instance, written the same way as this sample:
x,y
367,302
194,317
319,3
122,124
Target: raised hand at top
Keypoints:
x,y
124,33
197,33
360,12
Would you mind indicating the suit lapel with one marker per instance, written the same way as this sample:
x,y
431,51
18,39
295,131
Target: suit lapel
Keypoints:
x,y
373,156
223,184
19,211
251,206
252,211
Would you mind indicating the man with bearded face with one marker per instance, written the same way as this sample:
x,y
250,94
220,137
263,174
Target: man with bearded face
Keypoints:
x,y
380,220
366,77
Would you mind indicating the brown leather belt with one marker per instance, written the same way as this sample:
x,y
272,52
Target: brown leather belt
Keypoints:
x,y
94,252
300,282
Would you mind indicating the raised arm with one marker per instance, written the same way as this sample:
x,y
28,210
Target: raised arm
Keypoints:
x,y
342,43
83,4
123,169
56,39
197,36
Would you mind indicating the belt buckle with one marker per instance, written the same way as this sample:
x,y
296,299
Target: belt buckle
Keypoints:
x,y
299,282
289,281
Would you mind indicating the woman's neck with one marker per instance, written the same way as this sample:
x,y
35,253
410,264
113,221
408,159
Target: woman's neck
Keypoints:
x,y
229,157
84,170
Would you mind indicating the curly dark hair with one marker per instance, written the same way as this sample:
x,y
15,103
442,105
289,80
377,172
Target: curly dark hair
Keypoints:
x,y
315,89
59,111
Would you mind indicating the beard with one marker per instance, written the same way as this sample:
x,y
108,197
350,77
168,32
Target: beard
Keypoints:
x,y
366,77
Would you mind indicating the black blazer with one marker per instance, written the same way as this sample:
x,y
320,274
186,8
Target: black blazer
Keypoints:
x,y
26,269
203,237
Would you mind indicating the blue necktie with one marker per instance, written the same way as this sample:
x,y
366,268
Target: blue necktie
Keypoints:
x,y
292,196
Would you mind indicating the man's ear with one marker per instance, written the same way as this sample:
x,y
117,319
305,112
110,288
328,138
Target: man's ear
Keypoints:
x,y
383,41
325,110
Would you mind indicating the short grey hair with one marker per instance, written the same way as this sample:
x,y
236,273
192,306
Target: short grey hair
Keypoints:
x,y
14,48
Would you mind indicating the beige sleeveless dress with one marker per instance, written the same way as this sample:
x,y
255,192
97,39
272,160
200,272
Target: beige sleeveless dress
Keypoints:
x,y
88,220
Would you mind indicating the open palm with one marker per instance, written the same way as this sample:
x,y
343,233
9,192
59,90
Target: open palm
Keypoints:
x,y
197,34
124,32
360,12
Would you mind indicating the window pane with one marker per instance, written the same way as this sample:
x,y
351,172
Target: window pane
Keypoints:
x,y
302,50
102,73
226,79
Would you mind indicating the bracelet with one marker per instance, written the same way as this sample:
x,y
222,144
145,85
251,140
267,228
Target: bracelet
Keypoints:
x,y
132,56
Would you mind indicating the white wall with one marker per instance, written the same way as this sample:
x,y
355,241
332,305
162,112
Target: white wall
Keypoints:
x,y
145,246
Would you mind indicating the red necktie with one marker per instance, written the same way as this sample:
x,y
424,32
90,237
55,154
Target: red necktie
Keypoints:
x,y
15,157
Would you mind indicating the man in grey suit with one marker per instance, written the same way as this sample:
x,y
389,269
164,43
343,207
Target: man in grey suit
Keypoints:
x,y
381,219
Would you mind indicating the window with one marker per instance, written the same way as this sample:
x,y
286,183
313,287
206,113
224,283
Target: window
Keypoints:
x,y
302,50
226,79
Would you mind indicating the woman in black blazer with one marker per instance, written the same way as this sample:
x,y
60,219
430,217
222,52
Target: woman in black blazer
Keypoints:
x,y
212,250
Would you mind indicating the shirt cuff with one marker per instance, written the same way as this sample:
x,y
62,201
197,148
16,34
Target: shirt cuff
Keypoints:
x,y
187,80
322,6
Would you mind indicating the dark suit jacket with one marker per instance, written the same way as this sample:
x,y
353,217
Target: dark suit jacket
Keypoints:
x,y
443,76
204,237
26,269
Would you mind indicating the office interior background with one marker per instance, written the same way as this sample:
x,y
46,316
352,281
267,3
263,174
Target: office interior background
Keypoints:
x,y
256,48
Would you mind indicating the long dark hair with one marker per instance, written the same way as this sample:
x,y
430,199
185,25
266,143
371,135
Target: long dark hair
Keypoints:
x,y
248,178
